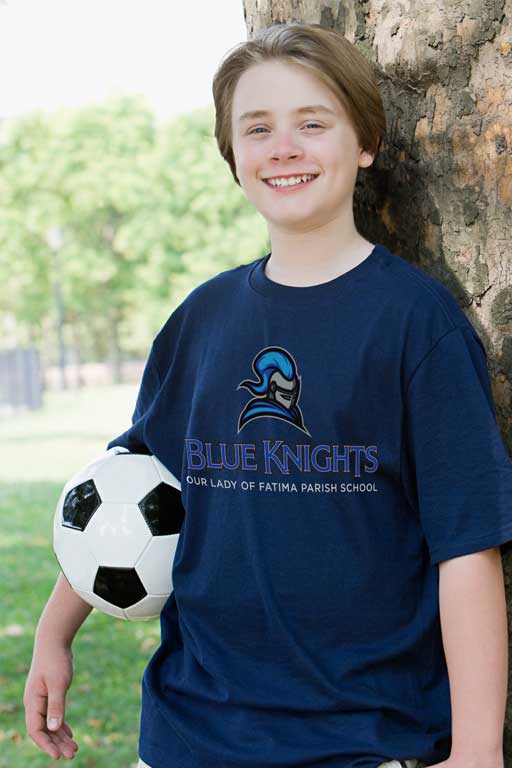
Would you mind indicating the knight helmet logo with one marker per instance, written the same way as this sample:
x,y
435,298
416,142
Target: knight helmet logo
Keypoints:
x,y
276,390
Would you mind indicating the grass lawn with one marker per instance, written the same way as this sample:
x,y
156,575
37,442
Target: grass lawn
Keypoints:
x,y
40,450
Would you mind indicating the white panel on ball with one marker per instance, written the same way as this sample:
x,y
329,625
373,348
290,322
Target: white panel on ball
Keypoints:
x,y
75,556
165,474
148,608
156,560
125,478
117,534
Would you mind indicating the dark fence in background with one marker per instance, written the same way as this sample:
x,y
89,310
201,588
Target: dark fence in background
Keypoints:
x,y
21,383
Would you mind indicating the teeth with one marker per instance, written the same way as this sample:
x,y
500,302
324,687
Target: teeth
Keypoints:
x,y
291,181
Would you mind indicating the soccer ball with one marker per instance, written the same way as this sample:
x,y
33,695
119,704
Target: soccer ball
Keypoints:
x,y
115,533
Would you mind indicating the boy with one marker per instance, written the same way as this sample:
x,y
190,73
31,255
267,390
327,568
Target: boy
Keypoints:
x,y
328,410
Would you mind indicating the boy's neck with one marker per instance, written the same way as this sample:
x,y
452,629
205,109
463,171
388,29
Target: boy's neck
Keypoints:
x,y
313,265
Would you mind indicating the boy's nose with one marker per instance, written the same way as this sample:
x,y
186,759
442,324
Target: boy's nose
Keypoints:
x,y
286,147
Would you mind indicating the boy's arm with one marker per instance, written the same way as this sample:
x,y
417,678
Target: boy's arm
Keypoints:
x,y
51,671
63,615
473,615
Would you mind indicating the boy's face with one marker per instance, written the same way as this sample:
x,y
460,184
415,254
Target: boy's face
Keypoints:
x,y
285,142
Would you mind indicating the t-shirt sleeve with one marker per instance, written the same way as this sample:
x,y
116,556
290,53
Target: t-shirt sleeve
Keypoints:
x,y
460,466
133,438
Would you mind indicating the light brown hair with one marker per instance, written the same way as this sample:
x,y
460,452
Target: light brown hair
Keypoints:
x,y
325,53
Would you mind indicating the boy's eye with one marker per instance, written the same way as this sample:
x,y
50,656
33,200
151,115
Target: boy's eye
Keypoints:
x,y
259,127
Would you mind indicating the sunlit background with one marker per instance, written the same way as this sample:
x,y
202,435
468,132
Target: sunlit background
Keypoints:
x,y
115,204
57,53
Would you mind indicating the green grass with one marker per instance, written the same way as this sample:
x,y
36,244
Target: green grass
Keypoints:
x,y
40,450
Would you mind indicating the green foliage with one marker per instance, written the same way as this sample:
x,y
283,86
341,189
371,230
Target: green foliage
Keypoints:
x,y
147,212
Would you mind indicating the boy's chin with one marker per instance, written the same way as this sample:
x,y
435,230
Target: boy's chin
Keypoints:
x,y
299,214
294,224
287,210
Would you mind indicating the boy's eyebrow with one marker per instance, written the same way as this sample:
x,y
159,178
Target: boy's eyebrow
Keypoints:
x,y
301,110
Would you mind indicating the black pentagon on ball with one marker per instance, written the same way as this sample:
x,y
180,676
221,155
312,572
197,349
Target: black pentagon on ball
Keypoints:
x,y
80,504
119,586
163,510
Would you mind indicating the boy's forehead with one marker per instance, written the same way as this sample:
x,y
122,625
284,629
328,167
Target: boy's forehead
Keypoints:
x,y
277,95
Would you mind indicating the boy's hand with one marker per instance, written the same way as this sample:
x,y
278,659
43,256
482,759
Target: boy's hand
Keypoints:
x,y
44,698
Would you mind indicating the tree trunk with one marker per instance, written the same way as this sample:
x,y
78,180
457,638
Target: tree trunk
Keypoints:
x,y
440,192
115,349
59,329
75,329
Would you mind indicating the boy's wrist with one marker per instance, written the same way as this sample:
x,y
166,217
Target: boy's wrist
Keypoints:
x,y
49,636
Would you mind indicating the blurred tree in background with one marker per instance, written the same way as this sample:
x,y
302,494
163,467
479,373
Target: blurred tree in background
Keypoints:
x,y
145,213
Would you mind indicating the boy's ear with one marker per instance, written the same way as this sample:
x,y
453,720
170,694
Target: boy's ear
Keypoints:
x,y
365,158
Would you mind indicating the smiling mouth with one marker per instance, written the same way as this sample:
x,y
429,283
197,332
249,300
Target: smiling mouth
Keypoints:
x,y
296,185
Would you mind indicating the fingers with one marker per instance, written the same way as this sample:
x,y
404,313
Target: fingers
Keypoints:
x,y
62,737
67,746
67,728
55,710
45,743
54,742
55,720
35,720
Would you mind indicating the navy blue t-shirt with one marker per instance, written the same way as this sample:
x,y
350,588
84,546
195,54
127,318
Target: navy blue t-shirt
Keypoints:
x,y
334,443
